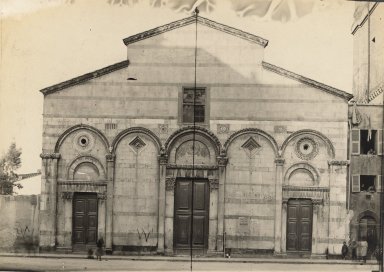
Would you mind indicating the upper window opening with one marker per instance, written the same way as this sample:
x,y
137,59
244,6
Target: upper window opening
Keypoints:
x,y
194,102
367,184
368,142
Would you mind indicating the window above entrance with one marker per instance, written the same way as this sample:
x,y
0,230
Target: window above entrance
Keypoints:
x,y
193,106
367,142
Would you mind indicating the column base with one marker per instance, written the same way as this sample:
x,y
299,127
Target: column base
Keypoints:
x,y
108,251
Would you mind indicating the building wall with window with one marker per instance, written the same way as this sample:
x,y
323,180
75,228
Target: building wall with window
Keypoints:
x,y
366,125
265,164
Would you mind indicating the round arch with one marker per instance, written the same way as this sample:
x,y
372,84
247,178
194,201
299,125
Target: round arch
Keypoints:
x,y
205,133
330,147
131,130
66,133
311,169
256,131
75,163
367,213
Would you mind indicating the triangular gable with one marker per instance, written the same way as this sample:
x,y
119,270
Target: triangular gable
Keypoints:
x,y
85,77
201,20
307,81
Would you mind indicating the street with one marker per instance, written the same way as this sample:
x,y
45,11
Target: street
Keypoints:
x,y
69,264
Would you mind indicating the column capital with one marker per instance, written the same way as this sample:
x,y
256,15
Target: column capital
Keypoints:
x,y
222,161
163,159
101,196
46,156
110,157
213,184
67,195
279,161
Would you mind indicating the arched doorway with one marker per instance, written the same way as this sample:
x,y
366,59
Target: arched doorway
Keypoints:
x,y
368,232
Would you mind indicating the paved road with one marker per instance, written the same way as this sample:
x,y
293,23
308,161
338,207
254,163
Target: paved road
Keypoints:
x,y
57,264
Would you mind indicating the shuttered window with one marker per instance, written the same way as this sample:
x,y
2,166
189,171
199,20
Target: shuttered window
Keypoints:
x,y
355,184
379,142
355,141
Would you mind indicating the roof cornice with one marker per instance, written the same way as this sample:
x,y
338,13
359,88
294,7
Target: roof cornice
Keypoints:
x,y
190,20
307,81
362,21
85,77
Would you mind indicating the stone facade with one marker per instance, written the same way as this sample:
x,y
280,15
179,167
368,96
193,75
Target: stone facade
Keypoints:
x,y
268,136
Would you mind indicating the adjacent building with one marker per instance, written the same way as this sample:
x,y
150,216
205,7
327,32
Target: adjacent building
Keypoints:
x,y
195,136
366,124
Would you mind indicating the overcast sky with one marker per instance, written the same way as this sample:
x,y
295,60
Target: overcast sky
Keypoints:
x,y
44,42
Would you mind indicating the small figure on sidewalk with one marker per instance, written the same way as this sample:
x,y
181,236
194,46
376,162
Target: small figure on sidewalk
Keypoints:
x,y
99,250
344,250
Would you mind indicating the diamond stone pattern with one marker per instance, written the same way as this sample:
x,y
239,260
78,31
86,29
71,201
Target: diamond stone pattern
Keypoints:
x,y
251,144
137,143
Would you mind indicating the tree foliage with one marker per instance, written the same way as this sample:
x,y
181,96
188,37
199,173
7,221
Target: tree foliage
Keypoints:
x,y
9,163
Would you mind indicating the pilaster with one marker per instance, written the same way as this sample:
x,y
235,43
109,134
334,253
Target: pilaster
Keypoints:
x,y
109,202
222,162
278,202
163,159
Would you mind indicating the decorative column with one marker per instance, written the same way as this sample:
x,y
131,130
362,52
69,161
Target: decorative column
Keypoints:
x,y
284,227
109,209
315,236
169,213
278,201
222,162
48,205
163,159
67,198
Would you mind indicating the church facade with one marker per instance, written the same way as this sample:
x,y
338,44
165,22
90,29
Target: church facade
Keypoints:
x,y
206,142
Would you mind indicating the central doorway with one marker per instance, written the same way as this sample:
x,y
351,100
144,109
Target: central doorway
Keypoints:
x,y
84,221
191,220
299,225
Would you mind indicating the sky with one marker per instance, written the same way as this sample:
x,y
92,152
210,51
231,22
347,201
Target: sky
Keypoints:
x,y
44,42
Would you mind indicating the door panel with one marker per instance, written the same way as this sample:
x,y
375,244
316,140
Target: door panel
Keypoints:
x,y
183,213
85,219
299,225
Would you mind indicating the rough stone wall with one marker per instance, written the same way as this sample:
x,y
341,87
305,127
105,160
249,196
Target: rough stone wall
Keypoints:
x,y
19,225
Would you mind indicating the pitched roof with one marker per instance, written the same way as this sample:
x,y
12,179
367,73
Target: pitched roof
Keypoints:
x,y
307,81
26,176
85,77
201,20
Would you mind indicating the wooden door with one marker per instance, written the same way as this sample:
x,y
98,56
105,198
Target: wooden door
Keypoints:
x,y
191,222
299,225
85,219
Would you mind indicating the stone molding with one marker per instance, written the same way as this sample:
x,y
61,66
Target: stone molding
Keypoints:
x,y
101,196
330,147
222,161
279,161
213,184
316,194
131,130
89,159
170,183
46,156
110,157
189,166
302,165
190,20
67,195
163,159
203,131
72,129
339,162
257,131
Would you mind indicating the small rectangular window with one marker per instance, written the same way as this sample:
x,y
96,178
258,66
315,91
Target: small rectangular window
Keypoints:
x,y
194,103
367,184
368,142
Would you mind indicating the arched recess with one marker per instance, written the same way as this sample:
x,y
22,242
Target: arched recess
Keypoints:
x,y
201,133
367,213
145,131
328,143
256,131
77,162
66,133
312,172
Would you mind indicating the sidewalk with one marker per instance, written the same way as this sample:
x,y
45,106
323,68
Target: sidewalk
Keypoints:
x,y
195,259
